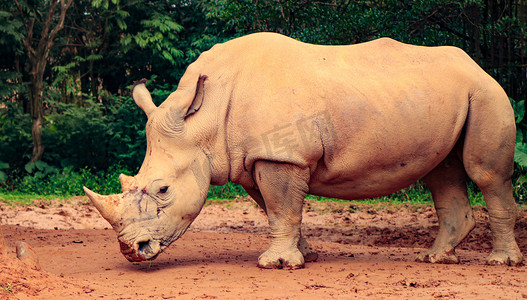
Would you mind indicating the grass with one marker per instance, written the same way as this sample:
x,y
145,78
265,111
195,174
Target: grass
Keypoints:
x,y
7,287
415,194
17,198
227,191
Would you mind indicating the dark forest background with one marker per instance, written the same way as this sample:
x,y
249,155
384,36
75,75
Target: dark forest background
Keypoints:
x,y
66,115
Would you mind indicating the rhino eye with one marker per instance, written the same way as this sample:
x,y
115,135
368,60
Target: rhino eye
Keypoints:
x,y
163,189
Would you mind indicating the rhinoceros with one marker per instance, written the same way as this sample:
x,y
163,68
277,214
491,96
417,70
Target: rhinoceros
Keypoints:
x,y
284,118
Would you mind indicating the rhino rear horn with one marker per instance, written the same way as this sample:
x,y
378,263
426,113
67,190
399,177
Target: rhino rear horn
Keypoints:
x,y
142,97
127,183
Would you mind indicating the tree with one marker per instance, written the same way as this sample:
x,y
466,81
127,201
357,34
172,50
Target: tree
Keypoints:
x,y
10,49
42,21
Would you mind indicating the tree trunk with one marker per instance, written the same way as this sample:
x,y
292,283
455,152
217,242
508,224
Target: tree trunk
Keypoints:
x,y
38,54
36,107
36,132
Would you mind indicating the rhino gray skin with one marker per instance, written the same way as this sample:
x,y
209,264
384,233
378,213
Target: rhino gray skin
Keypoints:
x,y
284,118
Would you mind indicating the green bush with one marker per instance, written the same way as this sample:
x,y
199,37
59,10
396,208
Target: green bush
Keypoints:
x,y
15,137
77,137
93,136
3,175
519,178
43,179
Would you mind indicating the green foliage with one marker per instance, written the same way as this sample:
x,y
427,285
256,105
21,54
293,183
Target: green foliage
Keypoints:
x,y
159,35
519,114
39,169
519,109
91,137
9,84
3,175
105,4
11,37
96,136
520,153
15,136
76,135
520,156
227,191
68,182
64,79
103,182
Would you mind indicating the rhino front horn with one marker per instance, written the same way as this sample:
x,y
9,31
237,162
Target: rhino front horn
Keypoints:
x,y
108,206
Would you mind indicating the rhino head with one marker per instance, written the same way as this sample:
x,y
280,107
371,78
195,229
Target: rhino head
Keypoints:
x,y
158,204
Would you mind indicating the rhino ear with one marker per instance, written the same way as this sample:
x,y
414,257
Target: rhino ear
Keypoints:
x,y
142,97
198,96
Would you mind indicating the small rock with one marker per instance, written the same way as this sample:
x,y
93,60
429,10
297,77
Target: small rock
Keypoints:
x,y
27,256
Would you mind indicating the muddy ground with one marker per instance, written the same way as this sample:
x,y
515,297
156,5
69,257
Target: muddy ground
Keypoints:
x,y
366,251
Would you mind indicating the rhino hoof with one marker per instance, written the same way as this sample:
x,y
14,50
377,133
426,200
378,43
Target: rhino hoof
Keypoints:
x,y
273,260
496,258
27,256
444,257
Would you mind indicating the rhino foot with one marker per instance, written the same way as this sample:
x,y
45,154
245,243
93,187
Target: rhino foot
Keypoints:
x,y
441,257
27,256
281,260
307,251
505,257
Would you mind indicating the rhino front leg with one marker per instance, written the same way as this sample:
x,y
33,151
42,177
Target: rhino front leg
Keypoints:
x,y
456,220
283,188
309,253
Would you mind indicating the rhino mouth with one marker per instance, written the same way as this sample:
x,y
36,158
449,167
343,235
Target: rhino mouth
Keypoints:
x,y
144,247
140,249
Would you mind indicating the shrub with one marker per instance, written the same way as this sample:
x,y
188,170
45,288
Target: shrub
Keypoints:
x,y
15,137
43,179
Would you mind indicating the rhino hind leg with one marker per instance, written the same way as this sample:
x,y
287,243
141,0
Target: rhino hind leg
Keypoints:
x,y
447,182
488,157
502,212
309,253
283,188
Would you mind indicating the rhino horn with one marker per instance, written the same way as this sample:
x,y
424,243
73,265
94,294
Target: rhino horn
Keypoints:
x,y
127,183
142,97
108,206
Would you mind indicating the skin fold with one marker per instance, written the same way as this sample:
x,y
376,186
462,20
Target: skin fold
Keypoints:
x,y
284,118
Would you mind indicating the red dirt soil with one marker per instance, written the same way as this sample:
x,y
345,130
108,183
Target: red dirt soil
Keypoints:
x,y
365,251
